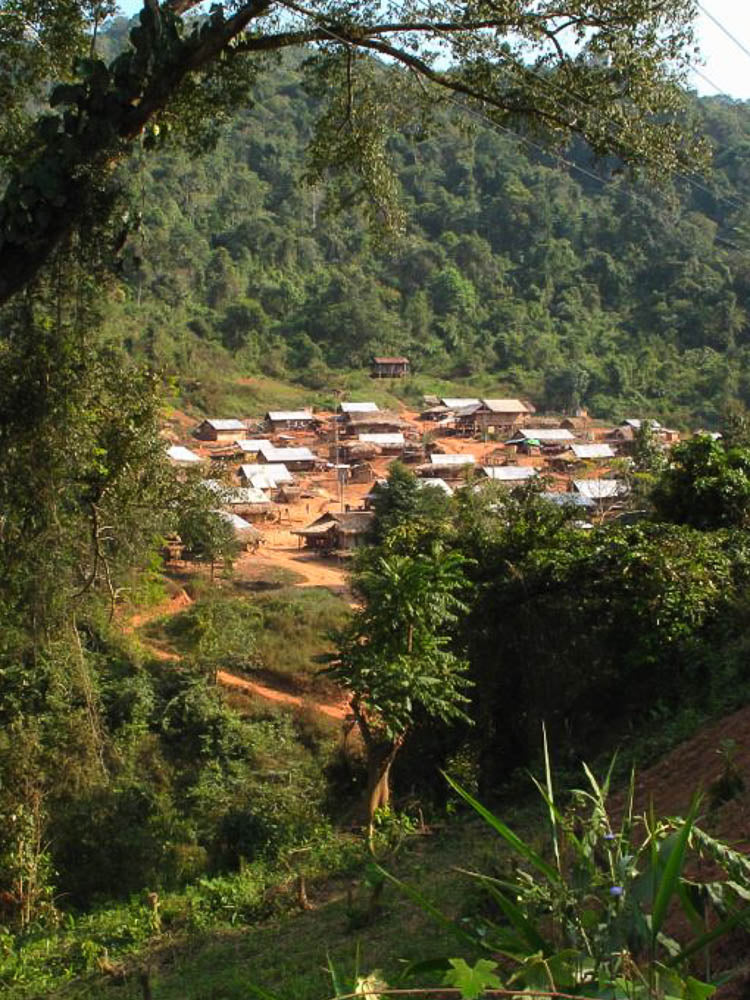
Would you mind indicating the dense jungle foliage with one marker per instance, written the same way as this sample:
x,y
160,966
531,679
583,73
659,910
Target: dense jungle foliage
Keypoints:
x,y
515,271
129,776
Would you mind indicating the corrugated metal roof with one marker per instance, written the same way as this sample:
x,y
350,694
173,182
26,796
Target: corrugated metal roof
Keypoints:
x,y
277,472
240,525
636,423
235,494
395,438
510,473
280,415
542,434
226,425
568,499
391,361
251,444
436,483
592,451
350,407
273,454
179,453
436,459
506,405
459,402
600,489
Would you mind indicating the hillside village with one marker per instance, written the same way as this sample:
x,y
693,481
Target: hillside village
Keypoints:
x,y
307,478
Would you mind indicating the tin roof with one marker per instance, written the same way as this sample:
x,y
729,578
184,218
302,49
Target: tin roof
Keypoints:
x,y
510,473
438,459
350,407
391,361
272,454
550,434
592,451
506,405
436,483
459,402
240,525
179,453
568,499
395,438
281,415
251,444
277,472
600,489
225,425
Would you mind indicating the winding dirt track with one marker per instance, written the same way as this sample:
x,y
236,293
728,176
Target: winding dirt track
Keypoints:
x,y
181,601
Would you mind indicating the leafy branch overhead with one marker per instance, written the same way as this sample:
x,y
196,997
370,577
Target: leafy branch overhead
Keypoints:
x,y
610,74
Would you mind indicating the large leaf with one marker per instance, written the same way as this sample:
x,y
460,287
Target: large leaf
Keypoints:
x,y
670,874
472,981
699,943
514,841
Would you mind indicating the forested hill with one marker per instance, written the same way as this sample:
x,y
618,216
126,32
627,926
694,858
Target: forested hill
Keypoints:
x,y
514,271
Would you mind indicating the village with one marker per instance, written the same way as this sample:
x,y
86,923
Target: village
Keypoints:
x,y
299,485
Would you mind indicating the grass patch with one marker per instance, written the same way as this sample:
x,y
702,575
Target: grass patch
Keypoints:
x,y
286,955
287,634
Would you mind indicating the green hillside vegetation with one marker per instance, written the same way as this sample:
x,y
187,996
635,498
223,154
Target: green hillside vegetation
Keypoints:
x,y
159,823
516,273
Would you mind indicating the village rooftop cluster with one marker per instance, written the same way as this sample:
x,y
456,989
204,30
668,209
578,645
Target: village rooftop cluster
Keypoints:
x,y
312,476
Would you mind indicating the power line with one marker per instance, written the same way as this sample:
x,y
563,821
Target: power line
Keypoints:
x,y
727,32
541,149
699,72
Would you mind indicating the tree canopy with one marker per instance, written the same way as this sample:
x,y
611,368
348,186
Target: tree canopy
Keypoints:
x,y
607,73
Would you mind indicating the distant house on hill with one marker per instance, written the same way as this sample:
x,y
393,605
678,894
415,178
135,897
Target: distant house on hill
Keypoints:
x,y
336,531
390,367
291,420
220,430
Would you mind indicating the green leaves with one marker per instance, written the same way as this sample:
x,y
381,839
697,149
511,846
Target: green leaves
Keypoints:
x,y
472,981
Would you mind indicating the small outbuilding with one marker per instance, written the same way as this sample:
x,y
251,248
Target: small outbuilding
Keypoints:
x,y
291,420
390,367
337,531
220,430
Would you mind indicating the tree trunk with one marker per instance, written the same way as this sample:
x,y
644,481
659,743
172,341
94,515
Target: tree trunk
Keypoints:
x,y
380,757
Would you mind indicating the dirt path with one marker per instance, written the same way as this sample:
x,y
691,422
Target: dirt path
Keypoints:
x,y
182,600
281,549
272,694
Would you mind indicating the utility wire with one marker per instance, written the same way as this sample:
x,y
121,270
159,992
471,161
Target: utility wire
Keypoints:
x,y
727,32
550,84
479,115
699,72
